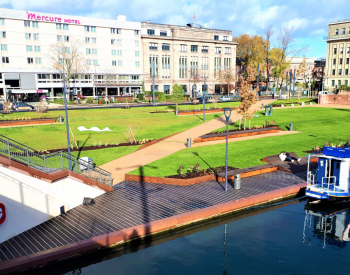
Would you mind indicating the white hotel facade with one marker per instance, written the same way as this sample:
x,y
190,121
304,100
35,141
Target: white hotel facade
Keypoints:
x,y
112,46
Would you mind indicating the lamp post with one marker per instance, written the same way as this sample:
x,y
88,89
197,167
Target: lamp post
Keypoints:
x,y
67,125
227,113
94,80
204,92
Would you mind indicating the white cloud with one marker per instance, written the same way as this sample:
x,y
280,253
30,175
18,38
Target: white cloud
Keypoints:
x,y
297,23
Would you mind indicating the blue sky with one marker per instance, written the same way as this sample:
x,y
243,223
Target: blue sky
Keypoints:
x,y
309,18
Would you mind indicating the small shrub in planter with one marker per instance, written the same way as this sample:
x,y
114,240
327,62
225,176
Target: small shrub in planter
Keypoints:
x,y
135,100
140,97
102,101
89,100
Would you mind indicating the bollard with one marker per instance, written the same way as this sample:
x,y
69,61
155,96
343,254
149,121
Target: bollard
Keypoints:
x,y
78,100
290,126
262,105
237,183
176,112
61,119
189,143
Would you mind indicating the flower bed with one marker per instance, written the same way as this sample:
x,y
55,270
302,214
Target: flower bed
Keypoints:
x,y
195,112
201,173
26,122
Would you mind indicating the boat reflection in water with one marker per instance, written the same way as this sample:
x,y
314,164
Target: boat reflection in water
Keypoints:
x,y
330,226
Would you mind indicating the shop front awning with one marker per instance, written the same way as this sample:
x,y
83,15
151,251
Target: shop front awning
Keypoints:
x,y
22,91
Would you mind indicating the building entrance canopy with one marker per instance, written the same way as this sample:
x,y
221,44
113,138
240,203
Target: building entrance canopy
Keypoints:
x,y
21,91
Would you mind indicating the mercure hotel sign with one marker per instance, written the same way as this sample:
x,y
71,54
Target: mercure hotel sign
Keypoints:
x,y
33,16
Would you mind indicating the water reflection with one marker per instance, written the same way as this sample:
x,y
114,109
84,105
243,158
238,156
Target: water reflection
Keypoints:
x,y
329,224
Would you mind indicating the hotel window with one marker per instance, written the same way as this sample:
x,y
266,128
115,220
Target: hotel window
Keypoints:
x,y
5,59
27,23
37,49
205,49
137,53
217,65
137,63
194,66
335,50
88,61
119,52
153,65
29,48
58,26
30,60
67,49
205,66
216,37
166,47
114,63
225,38
347,61
227,63
340,61
183,48
2,21
93,29
93,40
3,47
346,71
36,36
59,37
346,82
94,62
336,31
153,46
94,51
113,41
333,72
167,89
87,39
38,60
227,50
136,32
194,48
119,42
182,67
340,71
120,63
136,43
119,31
114,52
334,61
66,38
28,36
163,33
343,31
166,66
341,50
113,30
150,32
333,83
87,28
65,27
339,82
35,24
88,51
218,50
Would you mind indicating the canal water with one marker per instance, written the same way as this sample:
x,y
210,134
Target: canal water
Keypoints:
x,y
290,238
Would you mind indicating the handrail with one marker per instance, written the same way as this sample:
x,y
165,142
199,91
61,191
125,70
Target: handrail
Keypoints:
x,y
52,161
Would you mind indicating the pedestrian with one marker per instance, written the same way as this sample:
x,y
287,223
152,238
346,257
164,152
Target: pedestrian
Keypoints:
x,y
106,99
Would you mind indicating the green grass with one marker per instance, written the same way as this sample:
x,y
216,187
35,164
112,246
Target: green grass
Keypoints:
x,y
293,100
150,126
318,125
103,156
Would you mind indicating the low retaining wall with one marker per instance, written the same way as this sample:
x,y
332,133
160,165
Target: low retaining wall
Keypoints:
x,y
197,112
119,237
27,122
334,99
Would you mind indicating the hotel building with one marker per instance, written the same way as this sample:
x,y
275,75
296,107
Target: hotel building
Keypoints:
x,y
338,54
186,55
111,47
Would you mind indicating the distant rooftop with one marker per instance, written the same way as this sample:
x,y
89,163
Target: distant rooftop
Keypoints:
x,y
339,21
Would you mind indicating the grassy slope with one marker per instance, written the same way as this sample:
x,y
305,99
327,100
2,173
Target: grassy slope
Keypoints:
x,y
150,126
318,125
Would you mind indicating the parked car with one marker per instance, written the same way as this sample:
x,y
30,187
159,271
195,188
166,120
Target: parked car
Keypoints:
x,y
200,100
22,105
1,106
225,98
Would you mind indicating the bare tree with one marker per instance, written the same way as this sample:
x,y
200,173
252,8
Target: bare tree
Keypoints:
x,y
266,52
228,79
68,59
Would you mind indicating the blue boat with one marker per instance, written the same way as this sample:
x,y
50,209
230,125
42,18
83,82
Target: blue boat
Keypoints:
x,y
331,180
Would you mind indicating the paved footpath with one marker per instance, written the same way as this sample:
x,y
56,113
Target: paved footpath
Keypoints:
x,y
125,164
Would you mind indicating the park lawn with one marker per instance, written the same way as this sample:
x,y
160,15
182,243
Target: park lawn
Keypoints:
x,y
293,100
317,126
149,126
103,156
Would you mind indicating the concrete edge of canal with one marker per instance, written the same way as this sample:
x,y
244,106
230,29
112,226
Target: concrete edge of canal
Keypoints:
x,y
140,231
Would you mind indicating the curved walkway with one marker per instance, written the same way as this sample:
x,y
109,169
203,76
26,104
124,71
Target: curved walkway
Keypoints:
x,y
119,167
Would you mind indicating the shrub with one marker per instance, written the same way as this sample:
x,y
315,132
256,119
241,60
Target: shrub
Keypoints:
x,y
89,100
135,100
161,95
140,97
102,101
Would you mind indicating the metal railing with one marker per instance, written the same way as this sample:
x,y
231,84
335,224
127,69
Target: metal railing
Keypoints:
x,y
51,162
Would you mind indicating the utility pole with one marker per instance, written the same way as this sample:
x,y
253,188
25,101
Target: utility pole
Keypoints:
x,y
67,125
294,83
153,87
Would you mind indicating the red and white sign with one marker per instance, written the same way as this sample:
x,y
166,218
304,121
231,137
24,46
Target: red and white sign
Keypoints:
x,y
33,16
2,213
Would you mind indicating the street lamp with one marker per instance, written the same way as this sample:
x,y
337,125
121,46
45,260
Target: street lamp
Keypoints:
x,y
227,113
204,92
94,79
67,125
